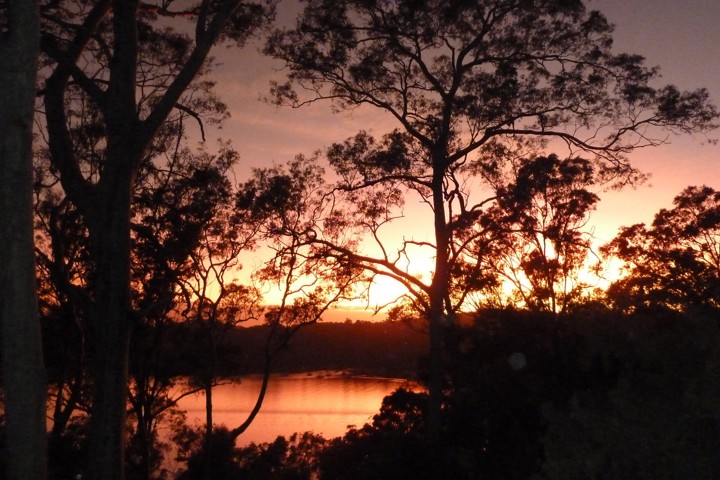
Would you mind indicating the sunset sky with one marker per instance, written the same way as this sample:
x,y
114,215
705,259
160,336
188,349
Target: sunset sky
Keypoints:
x,y
682,38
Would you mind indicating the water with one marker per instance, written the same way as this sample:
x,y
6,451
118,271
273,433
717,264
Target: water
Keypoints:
x,y
325,403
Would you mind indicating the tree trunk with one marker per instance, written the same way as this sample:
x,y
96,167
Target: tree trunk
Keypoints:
x,y
208,409
110,366
439,291
24,379
105,205
109,226
208,381
111,341
142,406
207,473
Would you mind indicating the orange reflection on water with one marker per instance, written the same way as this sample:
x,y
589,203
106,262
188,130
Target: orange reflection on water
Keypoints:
x,y
322,402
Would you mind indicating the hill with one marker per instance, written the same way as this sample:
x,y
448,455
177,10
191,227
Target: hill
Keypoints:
x,y
373,348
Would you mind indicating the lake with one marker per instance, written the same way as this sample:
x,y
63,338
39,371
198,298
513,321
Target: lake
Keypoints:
x,y
325,403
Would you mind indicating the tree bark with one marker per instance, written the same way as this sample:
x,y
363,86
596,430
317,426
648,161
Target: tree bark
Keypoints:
x,y
24,377
437,316
111,323
208,409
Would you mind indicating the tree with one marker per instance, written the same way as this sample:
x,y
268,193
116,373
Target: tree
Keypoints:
x,y
181,201
175,206
390,446
107,55
273,204
282,203
674,262
211,301
469,84
538,222
22,361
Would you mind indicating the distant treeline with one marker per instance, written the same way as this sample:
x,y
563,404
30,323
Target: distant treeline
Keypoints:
x,y
390,349
373,348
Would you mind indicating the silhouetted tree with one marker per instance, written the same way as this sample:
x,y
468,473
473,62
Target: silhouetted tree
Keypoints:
x,y
180,196
63,268
538,222
674,262
211,300
23,374
502,370
210,319
470,84
175,207
306,284
293,458
391,446
125,59
267,208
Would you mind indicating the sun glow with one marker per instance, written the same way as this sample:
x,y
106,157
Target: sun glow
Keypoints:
x,y
386,290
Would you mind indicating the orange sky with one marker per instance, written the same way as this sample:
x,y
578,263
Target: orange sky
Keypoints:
x,y
683,38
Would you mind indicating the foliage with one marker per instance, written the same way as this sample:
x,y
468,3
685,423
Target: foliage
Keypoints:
x,y
294,458
470,86
596,395
674,262
502,370
67,450
390,447
540,246
659,421
292,203
499,66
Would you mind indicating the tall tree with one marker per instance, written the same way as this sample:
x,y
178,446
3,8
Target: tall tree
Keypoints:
x,y
538,222
286,204
675,261
272,206
23,371
181,217
467,83
130,61
175,205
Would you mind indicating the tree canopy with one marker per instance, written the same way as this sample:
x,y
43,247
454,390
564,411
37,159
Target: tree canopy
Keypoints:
x,y
675,261
472,86
114,75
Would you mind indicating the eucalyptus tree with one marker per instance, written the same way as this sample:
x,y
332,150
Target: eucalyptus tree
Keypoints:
x,y
469,85
539,244
212,300
135,63
286,204
176,203
298,287
180,205
23,375
675,261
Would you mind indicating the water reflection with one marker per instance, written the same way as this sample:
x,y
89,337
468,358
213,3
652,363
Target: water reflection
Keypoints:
x,y
322,402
